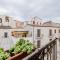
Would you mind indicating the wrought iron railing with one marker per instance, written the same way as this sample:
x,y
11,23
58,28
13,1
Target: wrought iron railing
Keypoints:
x,y
48,52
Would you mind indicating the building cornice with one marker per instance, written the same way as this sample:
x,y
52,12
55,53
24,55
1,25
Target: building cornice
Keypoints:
x,y
43,26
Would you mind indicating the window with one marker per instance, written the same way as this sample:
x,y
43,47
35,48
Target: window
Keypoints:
x,y
37,22
0,20
5,34
7,19
59,31
55,30
38,43
33,22
50,32
38,32
40,23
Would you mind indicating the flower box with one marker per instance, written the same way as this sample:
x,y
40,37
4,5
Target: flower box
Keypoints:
x,y
18,56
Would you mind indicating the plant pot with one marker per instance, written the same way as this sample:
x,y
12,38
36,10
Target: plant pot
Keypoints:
x,y
18,56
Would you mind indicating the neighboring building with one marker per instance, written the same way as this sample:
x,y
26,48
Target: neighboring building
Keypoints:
x,y
42,33
34,29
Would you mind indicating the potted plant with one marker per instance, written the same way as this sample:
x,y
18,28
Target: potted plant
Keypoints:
x,y
3,55
21,49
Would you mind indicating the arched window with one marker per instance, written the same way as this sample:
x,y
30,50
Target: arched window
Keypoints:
x,y
7,19
40,23
33,22
0,20
59,31
37,22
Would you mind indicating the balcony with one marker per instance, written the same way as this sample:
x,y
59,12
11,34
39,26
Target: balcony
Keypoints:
x,y
48,52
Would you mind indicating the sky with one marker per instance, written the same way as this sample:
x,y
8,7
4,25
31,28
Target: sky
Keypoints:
x,y
24,9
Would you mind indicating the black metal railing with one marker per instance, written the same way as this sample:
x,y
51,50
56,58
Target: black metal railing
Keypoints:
x,y
48,52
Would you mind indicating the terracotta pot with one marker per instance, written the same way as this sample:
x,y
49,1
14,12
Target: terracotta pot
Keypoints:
x,y
18,56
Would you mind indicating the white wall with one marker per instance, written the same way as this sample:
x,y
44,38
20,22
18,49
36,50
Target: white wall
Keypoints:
x,y
44,34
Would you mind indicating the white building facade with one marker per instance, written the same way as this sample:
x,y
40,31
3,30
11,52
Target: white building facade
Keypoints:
x,y
35,30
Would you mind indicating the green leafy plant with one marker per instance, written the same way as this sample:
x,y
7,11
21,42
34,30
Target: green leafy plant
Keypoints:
x,y
22,46
3,55
1,50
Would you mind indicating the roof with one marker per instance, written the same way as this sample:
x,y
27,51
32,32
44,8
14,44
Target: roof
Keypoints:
x,y
51,24
47,24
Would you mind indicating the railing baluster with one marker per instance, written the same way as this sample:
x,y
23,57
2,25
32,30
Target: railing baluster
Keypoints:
x,y
43,55
47,56
49,52
50,56
55,50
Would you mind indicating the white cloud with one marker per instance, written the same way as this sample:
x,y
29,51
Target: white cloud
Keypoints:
x,y
23,9
56,19
3,11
